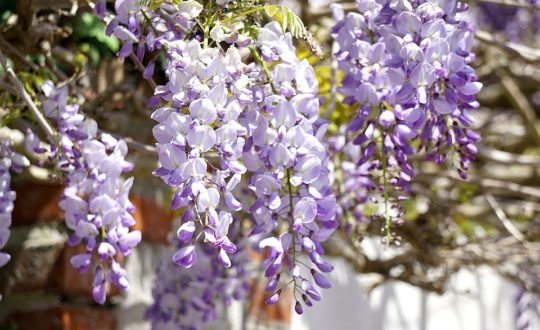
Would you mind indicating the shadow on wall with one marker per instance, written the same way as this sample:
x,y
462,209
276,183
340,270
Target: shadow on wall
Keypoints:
x,y
475,300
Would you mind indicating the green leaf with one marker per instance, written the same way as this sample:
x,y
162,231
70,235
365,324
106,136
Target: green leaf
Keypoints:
x,y
144,3
271,10
287,19
89,26
79,60
10,116
27,80
153,4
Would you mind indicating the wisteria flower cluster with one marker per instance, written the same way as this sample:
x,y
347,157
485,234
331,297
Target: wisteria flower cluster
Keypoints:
x,y
9,161
186,139
226,120
287,137
277,153
95,200
406,69
7,196
353,179
187,298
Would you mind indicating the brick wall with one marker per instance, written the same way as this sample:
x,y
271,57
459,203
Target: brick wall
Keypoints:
x,y
43,291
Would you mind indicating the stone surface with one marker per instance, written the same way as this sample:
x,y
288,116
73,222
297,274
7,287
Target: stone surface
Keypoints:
x,y
41,262
63,317
34,251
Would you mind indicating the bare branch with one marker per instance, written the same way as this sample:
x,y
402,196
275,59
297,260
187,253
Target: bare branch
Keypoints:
x,y
528,54
504,219
140,67
15,52
27,99
503,157
492,185
520,102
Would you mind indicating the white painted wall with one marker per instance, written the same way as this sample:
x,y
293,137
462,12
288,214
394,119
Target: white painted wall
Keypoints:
x,y
479,300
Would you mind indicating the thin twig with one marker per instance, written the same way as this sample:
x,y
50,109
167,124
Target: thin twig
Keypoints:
x,y
15,52
528,54
27,99
520,102
491,185
140,146
503,157
499,212
140,66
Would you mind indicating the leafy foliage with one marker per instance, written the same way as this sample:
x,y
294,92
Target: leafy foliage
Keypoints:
x,y
89,34
155,4
288,20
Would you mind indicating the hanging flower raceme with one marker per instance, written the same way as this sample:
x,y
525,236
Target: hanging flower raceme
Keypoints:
x,y
95,200
406,69
353,181
200,141
187,298
9,161
291,176
195,125
227,120
142,31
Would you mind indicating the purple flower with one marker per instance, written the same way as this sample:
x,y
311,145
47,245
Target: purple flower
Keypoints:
x,y
273,298
185,232
224,258
99,291
406,70
298,308
9,160
129,241
203,110
305,212
82,262
93,164
186,256
191,295
4,259
321,281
